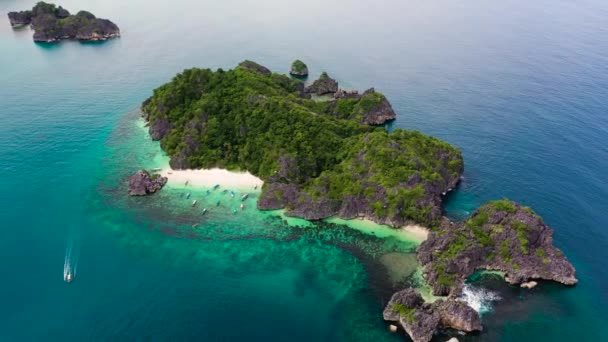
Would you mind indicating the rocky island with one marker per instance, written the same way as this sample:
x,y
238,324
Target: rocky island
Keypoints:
x,y
52,24
142,183
321,153
299,69
317,158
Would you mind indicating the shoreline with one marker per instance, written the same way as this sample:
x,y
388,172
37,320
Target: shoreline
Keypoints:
x,y
411,232
208,178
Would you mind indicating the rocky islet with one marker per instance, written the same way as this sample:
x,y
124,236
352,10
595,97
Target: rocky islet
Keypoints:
x,y
53,23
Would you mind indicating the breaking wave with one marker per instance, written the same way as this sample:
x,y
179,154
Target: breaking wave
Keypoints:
x,y
478,298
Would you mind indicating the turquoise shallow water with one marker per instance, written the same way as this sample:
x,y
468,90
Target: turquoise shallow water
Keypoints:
x,y
520,87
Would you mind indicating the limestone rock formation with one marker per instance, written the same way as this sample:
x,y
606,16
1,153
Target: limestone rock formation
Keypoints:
x,y
141,183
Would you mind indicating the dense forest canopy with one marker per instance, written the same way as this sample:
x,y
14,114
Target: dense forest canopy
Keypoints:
x,y
250,119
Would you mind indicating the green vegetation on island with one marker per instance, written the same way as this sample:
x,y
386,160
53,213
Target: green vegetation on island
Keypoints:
x,y
315,163
52,23
298,68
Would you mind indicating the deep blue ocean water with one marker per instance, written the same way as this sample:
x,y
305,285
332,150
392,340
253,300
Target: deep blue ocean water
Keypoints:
x,y
521,87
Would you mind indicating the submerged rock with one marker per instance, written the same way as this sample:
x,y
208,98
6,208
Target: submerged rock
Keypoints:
x,y
52,23
323,85
529,284
298,68
141,183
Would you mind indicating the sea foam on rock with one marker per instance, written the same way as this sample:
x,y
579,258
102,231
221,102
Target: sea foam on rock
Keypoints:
x,y
421,320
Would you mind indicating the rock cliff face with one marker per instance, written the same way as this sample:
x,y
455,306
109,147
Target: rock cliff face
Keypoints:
x,y
414,198
376,110
51,24
500,235
141,183
421,320
323,85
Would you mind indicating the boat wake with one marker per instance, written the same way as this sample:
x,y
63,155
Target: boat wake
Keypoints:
x,y
478,298
70,263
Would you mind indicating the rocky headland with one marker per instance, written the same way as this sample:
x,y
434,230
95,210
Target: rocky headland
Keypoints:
x,y
500,235
52,24
142,183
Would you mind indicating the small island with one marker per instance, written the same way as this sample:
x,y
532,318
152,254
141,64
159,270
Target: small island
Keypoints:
x,y
299,69
52,24
321,153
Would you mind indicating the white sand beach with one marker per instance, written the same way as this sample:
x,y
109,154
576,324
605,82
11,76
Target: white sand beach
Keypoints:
x,y
420,232
211,177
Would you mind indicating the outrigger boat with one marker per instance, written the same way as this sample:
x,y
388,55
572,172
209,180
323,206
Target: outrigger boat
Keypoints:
x,y
193,203
231,193
244,197
216,186
187,195
242,206
204,211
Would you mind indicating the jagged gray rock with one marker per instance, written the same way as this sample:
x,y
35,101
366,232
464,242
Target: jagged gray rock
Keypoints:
x,y
500,235
421,320
323,85
379,110
141,183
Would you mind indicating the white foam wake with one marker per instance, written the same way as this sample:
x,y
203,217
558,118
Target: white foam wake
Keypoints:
x,y
478,298
70,263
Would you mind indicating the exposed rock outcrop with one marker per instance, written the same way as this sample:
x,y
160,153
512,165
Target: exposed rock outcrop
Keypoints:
x,y
141,183
500,235
18,19
376,110
52,23
253,66
415,193
421,320
323,85
298,68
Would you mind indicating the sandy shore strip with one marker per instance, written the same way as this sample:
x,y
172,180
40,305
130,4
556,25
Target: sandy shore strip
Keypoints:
x,y
420,232
207,178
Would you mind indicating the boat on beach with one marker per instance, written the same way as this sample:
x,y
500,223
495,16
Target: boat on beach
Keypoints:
x,y
216,186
